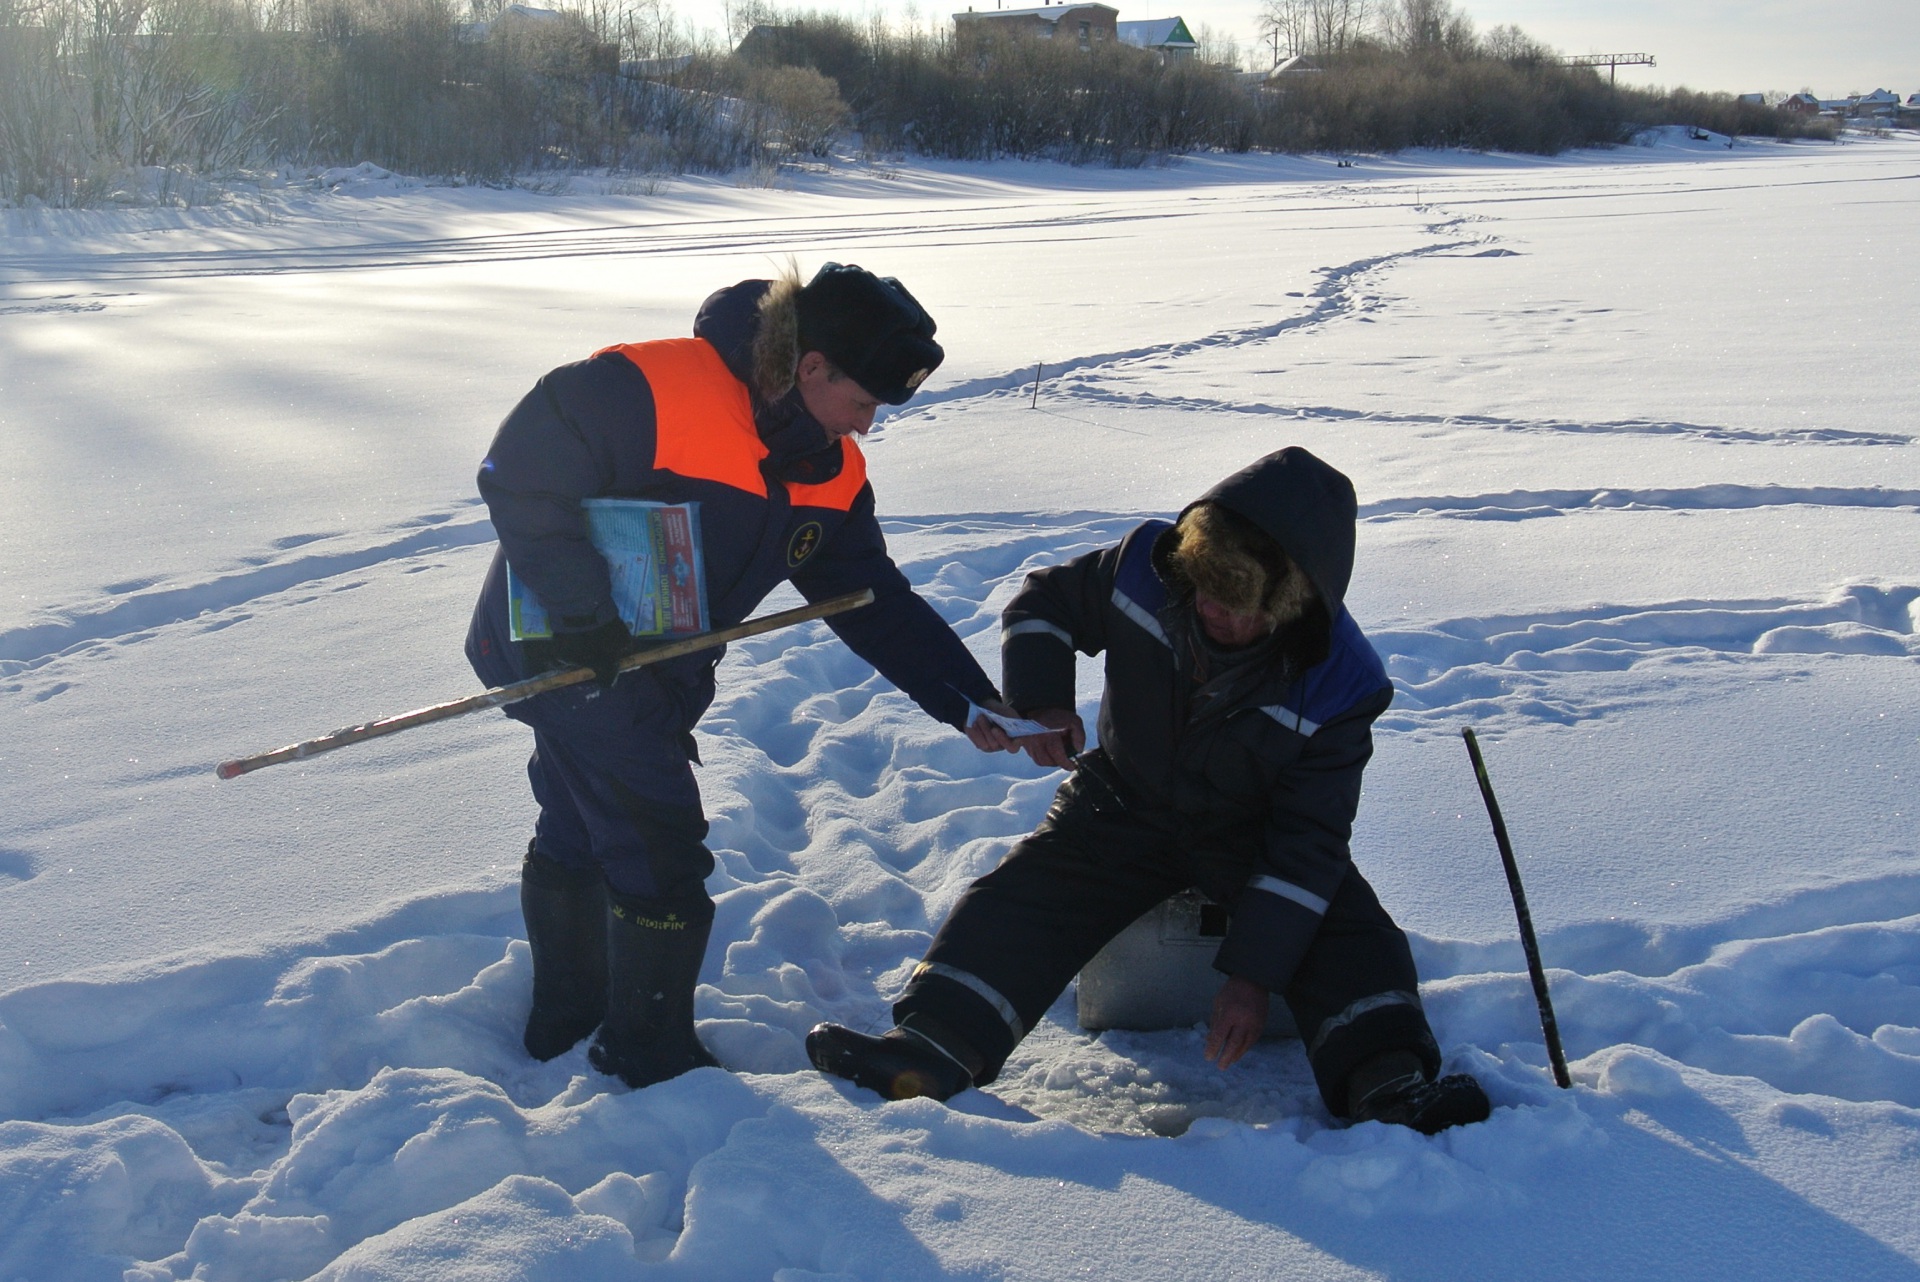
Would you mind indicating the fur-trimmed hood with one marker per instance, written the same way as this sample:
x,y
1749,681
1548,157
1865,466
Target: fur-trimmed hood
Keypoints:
x,y
755,326
1306,506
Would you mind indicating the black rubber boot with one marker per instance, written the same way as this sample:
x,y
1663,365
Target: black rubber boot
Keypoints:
x,y
903,1063
1394,1088
566,914
654,950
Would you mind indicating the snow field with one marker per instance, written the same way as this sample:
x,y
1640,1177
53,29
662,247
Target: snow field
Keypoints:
x,y
269,1028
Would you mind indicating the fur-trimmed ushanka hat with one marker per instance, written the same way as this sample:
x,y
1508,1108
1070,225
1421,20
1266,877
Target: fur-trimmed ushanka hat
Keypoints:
x,y
871,328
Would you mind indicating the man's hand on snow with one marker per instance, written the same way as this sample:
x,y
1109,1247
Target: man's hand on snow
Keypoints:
x,y
1067,737
1239,1017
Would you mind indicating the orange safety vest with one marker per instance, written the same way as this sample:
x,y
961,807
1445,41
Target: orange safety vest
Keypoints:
x,y
704,428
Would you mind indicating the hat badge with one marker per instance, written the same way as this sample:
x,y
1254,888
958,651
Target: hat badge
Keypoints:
x,y
916,378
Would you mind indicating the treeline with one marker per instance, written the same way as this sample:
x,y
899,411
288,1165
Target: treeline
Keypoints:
x,y
1411,73
94,93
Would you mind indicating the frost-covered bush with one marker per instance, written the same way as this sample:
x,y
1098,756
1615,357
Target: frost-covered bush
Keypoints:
x,y
800,112
91,90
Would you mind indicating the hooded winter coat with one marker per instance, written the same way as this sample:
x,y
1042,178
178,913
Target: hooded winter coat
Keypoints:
x,y
1255,774
716,420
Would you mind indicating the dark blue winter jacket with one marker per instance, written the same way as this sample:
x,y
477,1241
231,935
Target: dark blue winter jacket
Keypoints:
x,y
778,502
1260,782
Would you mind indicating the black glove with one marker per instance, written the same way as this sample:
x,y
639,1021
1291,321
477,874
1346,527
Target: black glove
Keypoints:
x,y
599,648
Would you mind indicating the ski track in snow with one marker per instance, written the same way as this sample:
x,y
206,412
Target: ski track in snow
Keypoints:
x,y
1096,395
1340,296
126,609
1522,505
1337,296
1496,670
1479,666
1002,222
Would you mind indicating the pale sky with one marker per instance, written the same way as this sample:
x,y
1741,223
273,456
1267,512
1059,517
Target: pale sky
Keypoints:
x,y
1737,46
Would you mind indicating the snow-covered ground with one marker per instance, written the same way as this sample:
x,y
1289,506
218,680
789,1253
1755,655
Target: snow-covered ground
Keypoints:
x,y
1635,440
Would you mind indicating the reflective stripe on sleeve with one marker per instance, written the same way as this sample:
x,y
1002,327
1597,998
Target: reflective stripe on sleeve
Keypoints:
x,y
978,987
1287,890
1022,629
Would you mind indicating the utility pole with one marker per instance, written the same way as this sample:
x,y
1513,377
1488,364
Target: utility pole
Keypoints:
x,y
1610,61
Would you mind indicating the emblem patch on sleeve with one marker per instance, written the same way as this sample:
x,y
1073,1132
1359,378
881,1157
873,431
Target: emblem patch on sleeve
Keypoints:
x,y
804,541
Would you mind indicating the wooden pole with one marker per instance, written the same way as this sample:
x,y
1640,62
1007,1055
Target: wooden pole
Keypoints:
x,y
500,696
1528,943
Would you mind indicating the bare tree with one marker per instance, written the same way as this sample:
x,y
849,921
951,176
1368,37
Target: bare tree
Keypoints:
x,y
1217,48
1510,44
1283,24
1338,25
1314,26
1414,26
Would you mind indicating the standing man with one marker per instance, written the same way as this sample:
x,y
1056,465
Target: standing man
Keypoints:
x,y
755,419
1234,729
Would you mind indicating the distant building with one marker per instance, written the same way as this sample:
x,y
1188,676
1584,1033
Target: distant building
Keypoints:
x,y
1086,25
1166,37
772,45
1802,104
1880,102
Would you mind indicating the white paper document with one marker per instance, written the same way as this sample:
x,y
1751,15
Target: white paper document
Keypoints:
x,y
1018,727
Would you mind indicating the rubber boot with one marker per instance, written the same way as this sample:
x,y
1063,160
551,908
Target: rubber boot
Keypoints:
x,y
566,914
654,950
919,1058
1394,1087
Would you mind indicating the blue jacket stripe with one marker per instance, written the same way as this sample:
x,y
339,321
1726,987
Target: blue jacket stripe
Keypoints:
x,y
1138,592
1351,673
1129,607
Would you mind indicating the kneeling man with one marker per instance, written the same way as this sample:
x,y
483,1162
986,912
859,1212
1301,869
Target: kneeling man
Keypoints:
x,y
1234,729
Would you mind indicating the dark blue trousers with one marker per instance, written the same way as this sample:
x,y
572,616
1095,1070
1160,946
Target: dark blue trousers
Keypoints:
x,y
613,773
1096,863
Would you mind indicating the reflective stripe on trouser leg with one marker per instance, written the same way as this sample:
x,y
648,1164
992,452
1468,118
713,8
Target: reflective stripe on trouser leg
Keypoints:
x,y
979,988
1355,993
1364,1006
1025,929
